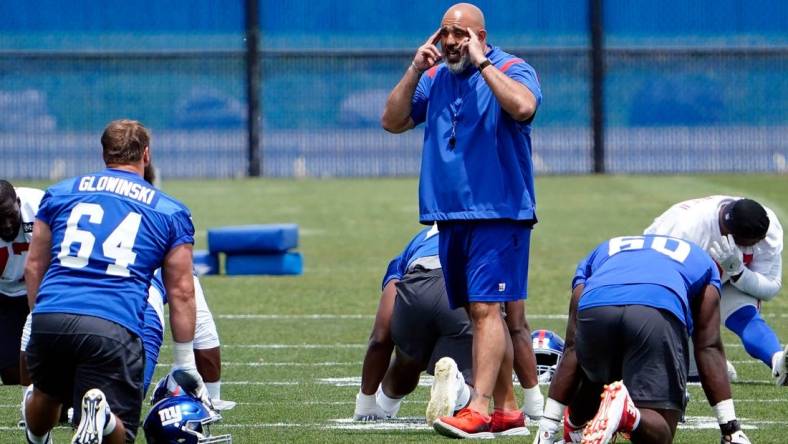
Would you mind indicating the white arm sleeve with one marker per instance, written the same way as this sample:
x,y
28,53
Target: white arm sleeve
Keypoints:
x,y
762,285
205,335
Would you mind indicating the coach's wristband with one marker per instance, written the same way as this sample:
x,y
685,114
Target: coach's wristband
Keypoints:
x,y
416,69
484,64
183,355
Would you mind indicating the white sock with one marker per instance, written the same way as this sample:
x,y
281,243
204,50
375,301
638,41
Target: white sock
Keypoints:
x,y
387,403
110,422
533,401
36,439
463,396
554,410
214,389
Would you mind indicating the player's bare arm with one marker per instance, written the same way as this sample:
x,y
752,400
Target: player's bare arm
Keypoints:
x,y
396,115
38,259
179,284
709,352
376,360
514,97
564,383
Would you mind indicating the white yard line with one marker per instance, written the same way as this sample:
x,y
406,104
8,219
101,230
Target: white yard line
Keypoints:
x,y
323,316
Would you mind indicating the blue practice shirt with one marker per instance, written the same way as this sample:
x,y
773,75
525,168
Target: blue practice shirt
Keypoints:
x,y
423,244
110,231
614,267
488,173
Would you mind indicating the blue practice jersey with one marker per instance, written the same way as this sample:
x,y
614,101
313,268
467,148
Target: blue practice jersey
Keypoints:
x,y
110,231
677,265
423,244
476,162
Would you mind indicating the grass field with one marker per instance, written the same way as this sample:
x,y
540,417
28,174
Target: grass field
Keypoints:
x,y
292,346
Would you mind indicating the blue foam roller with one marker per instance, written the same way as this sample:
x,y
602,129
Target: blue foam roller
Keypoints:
x,y
247,239
276,264
205,262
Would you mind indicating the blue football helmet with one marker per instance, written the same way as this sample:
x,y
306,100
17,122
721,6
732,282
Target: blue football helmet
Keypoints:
x,y
182,419
548,348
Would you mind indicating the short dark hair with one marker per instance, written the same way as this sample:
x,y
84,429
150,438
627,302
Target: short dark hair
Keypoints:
x,y
7,192
746,218
124,141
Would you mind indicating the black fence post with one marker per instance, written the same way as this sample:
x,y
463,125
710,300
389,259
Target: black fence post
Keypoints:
x,y
597,26
253,74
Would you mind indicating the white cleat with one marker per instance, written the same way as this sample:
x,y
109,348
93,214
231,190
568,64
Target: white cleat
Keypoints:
x,y
223,404
443,394
94,417
733,376
780,368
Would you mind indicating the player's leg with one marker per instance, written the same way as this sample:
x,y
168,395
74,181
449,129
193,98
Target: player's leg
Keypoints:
x,y
650,401
13,312
489,351
740,313
524,358
51,366
207,350
401,379
108,382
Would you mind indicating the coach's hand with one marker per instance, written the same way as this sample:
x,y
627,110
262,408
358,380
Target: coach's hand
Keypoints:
x,y
474,48
728,255
428,54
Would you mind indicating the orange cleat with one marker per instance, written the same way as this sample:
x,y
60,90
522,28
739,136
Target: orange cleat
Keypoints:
x,y
466,423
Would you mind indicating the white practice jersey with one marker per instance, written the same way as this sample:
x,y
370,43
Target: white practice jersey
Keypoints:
x,y
697,220
13,254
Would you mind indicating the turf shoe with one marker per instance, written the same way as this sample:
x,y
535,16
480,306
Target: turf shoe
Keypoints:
x,y
617,413
508,423
467,423
445,386
94,416
780,367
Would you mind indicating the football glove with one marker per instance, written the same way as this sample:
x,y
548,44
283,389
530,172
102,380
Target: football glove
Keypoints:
x,y
549,431
728,255
367,409
737,437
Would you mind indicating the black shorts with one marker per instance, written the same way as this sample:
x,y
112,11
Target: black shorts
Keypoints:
x,y
71,354
424,328
644,346
13,312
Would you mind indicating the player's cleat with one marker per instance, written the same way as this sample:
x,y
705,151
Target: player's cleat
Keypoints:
x,y
223,404
617,413
443,394
467,424
509,423
780,367
732,374
737,437
572,434
94,416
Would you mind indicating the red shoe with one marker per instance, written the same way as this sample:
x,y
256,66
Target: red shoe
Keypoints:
x,y
617,413
508,423
466,423
572,434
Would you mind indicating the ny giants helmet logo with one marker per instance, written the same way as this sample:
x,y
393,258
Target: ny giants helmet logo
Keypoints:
x,y
170,415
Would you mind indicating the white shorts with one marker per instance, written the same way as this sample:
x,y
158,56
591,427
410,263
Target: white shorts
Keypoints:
x,y
205,335
732,299
26,333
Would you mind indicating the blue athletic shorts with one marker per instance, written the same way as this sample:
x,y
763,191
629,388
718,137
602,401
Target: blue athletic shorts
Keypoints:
x,y
484,260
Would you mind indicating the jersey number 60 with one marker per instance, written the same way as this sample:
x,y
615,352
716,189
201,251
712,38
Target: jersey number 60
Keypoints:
x,y
117,246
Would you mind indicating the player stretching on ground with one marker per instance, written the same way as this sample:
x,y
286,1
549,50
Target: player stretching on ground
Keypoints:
x,y
477,184
97,240
746,240
635,302
18,208
414,320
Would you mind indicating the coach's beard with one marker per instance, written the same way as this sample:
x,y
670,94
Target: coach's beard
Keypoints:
x,y
459,66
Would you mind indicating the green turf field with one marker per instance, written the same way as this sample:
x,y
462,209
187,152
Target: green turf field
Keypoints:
x,y
292,363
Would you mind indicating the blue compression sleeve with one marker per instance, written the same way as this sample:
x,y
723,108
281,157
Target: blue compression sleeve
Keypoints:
x,y
758,338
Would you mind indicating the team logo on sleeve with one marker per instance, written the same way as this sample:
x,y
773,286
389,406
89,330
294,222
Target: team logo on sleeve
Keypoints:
x,y
27,227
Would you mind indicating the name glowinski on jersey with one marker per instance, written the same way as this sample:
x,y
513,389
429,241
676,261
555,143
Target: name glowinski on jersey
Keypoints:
x,y
119,186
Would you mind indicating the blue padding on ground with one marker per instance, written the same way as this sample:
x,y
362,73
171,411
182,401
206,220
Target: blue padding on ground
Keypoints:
x,y
205,262
277,264
247,239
